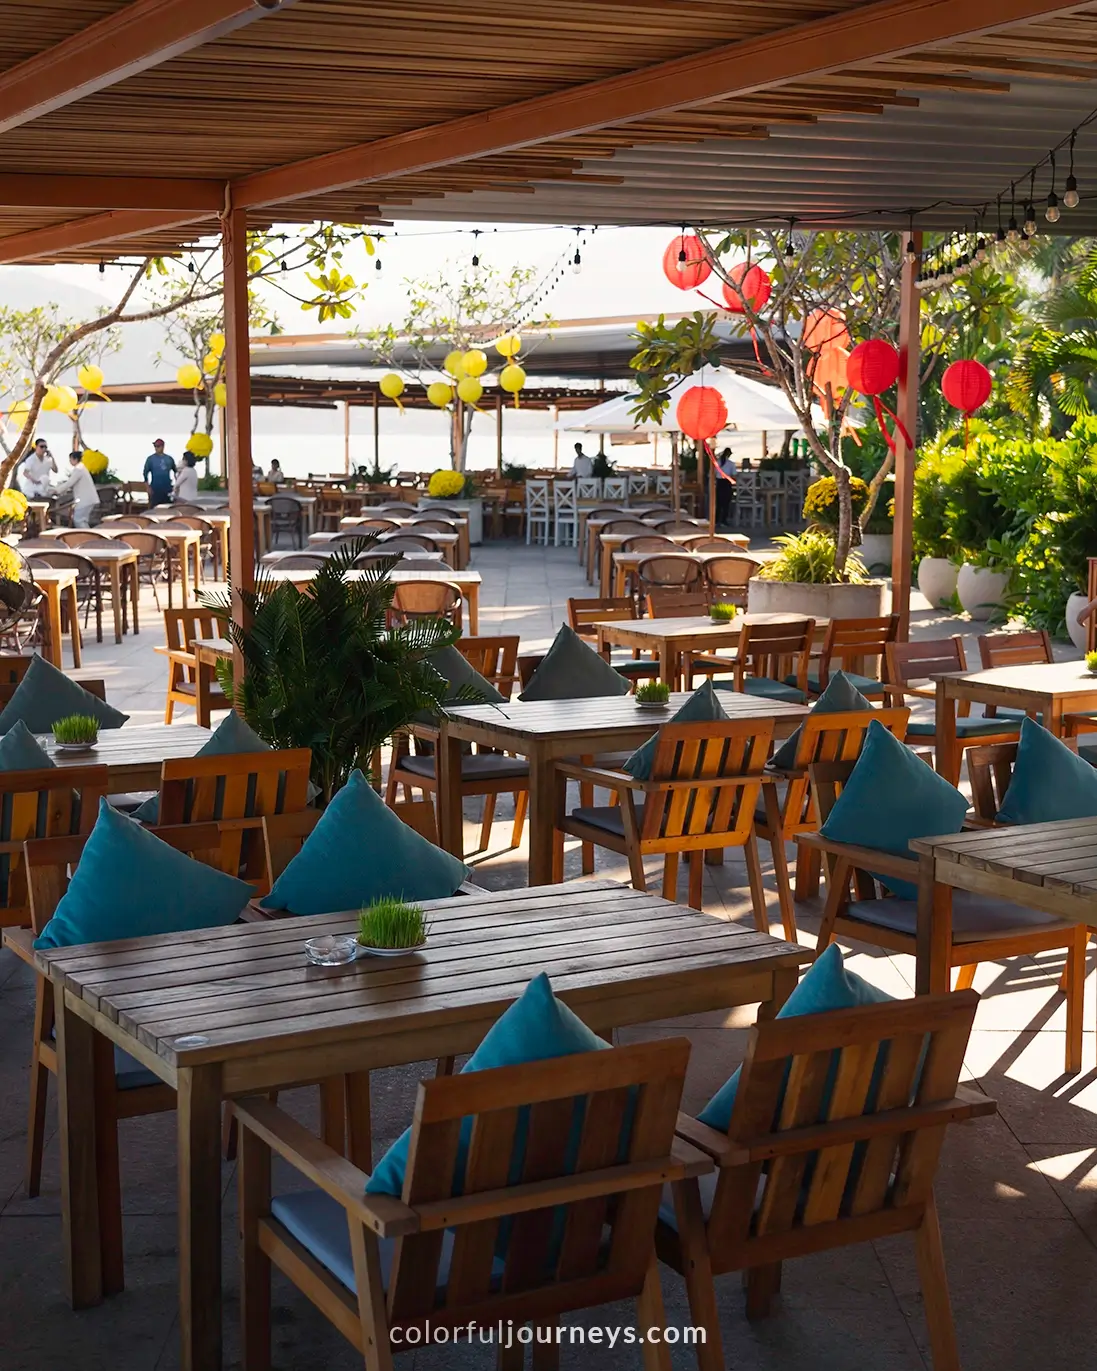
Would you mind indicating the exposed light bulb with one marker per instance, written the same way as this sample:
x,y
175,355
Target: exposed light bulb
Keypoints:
x,y
1070,194
577,263
790,250
1013,233
377,265
1051,214
682,259
1030,220
475,259
912,252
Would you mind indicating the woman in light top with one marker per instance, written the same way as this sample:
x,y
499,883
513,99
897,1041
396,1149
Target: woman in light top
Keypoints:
x,y
186,481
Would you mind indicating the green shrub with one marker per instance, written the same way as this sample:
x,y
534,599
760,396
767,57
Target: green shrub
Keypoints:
x,y
821,500
808,559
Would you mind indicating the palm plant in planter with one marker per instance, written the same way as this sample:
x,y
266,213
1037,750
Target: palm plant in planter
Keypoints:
x,y
322,671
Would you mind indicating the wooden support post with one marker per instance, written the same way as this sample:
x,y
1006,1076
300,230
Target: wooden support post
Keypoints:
x,y
675,476
346,433
705,457
234,248
498,435
376,430
555,437
902,552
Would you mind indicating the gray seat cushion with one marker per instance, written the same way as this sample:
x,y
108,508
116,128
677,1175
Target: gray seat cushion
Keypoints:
x,y
974,917
481,767
974,726
607,817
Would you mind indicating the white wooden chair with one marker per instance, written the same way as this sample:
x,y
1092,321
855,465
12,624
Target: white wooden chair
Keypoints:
x,y
589,488
615,488
664,483
538,517
637,483
565,514
749,506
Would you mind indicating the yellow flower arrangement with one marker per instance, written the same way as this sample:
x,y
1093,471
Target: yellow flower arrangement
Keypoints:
x,y
821,501
95,461
10,563
201,444
446,485
13,506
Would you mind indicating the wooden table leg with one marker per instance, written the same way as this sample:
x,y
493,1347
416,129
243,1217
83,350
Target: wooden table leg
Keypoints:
x,y
224,532
359,1121
668,664
116,597
79,1176
203,674
451,823
53,619
135,593
184,573
784,983
198,1121
473,593
946,747
109,1184
604,580
933,935
74,626
541,813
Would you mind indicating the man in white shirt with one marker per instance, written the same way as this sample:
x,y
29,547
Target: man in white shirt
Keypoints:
x,y
34,473
582,466
79,484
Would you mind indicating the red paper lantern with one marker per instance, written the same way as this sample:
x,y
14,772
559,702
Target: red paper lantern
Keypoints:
x,y
754,285
689,271
823,327
967,385
701,413
873,366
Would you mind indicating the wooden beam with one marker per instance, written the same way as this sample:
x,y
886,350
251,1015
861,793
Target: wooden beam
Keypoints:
x,y
131,40
888,28
238,417
77,234
902,553
29,190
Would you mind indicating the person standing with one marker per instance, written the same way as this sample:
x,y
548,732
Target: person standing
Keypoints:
x,y
186,483
275,475
78,483
159,470
34,473
725,486
582,467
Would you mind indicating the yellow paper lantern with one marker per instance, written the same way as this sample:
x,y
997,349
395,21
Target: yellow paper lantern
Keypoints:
x,y
220,394
469,389
512,378
217,344
210,363
440,394
475,362
50,399
392,386
90,377
17,415
201,444
510,345
188,376
455,363
67,399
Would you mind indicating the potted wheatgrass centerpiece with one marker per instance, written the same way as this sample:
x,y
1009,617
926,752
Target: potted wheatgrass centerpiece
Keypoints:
x,y
388,927
652,695
76,733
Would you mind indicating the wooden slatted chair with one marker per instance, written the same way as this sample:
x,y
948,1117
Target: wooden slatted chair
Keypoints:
x,y
783,817
967,929
14,666
728,578
51,803
495,658
669,571
771,661
849,644
579,1236
425,600
908,663
611,609
676,603
1022,647
703,791
181,627
834,1139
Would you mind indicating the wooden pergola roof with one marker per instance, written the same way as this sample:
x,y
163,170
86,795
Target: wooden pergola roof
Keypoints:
x,y
129,125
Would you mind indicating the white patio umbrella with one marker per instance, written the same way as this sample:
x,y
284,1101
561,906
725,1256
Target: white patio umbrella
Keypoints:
x,y
752,408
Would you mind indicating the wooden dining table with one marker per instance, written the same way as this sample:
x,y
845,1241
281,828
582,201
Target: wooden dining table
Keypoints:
x,y
120,565
239,1011
407,525
1049,690
612,543
590,528
1050,867
58,585
446,543
133,753
219,520
546,731
467,582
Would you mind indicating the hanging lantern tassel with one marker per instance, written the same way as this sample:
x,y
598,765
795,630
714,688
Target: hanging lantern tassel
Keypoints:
x,y
872,368
966,385
512,378
391,387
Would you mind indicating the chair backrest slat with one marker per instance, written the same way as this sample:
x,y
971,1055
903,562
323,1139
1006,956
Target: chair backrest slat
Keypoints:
x,y
1021,648
914,661
848,642
48,803
776,650
706,752
495,658
584,612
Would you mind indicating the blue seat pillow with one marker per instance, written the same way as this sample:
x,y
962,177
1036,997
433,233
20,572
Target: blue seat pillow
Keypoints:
x,y
129,884
232,737
359,851
891,797
535,1028
1049,781
840,697
701,707
21,751
826,985
45,695
572,670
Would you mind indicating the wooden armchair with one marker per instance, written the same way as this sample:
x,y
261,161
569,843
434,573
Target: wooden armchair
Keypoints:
x,y
823,738
834,1139
181,627
702,795
965,929
1022,647
677,603
579,1236
848,644
495,658
52,803
771,660
611,609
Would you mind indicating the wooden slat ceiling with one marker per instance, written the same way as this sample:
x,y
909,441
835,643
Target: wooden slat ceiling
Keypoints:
x,y
323,75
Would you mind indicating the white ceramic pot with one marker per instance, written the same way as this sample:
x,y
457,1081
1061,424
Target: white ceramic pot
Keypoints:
x,y
937,580
868,601
875,552
1076,630
982,591
473,508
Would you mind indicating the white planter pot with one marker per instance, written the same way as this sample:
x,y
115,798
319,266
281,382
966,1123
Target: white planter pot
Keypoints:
x,y
982,592
473,508
937,580
1076,630
868,601
875,552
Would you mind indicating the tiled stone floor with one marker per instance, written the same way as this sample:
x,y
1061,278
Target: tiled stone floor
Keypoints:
x,y
1017,1192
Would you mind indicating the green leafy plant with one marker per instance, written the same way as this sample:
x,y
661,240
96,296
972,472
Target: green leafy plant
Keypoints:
x,y
322,671
725,613
808,558
513,472
76,728
601,466
390,923
653,692
210,483
821,500
375,475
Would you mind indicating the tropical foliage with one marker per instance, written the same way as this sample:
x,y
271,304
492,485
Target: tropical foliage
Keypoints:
x,y
810,558
1055,369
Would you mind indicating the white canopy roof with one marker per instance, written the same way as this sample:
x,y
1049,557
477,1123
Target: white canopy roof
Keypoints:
x,y
752,408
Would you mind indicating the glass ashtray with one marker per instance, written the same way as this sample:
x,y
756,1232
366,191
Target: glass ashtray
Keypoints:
x,y
334,949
